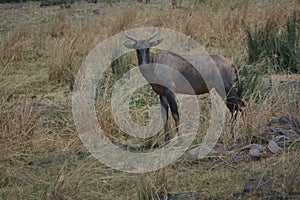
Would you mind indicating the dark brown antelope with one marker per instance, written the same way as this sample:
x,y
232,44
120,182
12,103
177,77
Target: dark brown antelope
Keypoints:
x,y
183,64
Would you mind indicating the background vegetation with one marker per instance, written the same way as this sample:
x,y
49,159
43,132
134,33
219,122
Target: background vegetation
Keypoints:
x,y
41,50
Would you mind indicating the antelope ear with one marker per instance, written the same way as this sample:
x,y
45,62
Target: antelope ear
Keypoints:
x,y
155,43
129,46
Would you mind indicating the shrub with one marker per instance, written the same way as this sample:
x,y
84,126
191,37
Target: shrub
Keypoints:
x,y
279,49
252,83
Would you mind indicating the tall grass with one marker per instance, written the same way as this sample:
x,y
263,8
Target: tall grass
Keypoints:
x,y
42,156
278,47
271,49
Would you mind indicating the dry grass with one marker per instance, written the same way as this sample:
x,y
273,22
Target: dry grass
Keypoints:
x,y
41,50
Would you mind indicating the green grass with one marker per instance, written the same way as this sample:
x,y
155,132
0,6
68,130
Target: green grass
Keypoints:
x,y
278,48
41,155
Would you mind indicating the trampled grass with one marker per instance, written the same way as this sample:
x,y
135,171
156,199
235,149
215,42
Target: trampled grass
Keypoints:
x,y
41,50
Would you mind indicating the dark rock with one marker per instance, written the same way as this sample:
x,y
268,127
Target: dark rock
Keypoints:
x,y
291,121
274,148
218,148
194,152
279,138
280,131
287,133
237,143
286,119
261,184
249,153
273,121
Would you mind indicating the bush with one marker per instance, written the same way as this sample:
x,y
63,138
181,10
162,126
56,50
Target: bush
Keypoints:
x,y
252,82
279,49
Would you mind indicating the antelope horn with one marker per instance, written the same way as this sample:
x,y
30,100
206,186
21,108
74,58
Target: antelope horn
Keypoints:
x,y
153,35
131,37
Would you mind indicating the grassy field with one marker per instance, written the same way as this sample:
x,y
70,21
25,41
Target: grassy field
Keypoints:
x,y
41,50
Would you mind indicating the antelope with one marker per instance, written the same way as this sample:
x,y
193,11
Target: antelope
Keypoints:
x,y
183,65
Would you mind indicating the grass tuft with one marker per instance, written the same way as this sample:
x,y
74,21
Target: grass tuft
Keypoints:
x,y
278,48
41,50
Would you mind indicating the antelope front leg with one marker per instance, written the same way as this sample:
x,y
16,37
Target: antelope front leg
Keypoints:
x,y
175,114
165,115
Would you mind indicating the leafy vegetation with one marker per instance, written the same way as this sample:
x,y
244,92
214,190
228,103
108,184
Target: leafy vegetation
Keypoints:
x,y
41,50
272,49
277,47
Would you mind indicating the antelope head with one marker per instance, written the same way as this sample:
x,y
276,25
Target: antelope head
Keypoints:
x,y
142,46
